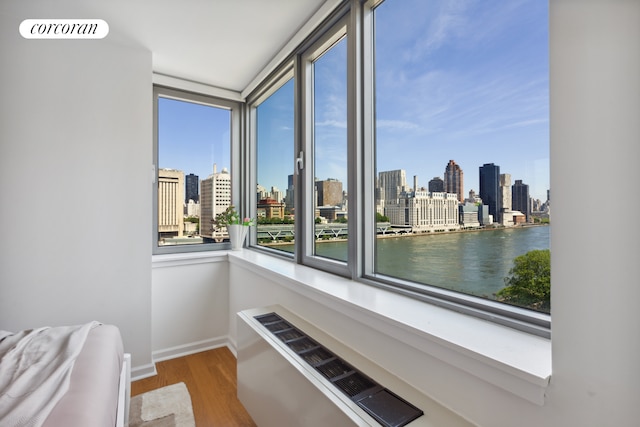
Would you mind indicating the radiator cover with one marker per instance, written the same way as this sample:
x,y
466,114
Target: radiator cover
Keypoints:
x,y
389,409
292,373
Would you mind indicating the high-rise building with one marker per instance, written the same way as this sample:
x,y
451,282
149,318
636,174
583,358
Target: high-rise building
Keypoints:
x,y
391,184
276,194
454,180
191,188
289,198
215,193
520,196
436,185
504,199
261,192
170,203
329,192
489,188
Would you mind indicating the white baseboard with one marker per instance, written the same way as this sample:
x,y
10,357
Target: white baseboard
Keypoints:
x,y
233,346
144,371
187,349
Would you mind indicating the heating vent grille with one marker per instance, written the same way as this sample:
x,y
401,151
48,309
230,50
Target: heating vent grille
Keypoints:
x,y
384,406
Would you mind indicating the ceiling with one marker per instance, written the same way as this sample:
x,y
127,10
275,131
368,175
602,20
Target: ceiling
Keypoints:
x,y
222,43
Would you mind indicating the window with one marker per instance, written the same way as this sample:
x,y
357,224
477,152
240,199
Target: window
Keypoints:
x,y
273,115
461,143
435,115
193,135
328,78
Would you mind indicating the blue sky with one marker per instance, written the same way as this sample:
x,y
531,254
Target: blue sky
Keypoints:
x,y
455,80
464,81
192,137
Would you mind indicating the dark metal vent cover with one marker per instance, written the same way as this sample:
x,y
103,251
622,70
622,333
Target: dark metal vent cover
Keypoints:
x,y
384,406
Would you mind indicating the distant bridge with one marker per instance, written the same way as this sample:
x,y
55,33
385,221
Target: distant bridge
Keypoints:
x,y
324,231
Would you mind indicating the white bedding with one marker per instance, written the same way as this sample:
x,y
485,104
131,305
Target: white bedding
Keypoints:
x,y
92,398
35,368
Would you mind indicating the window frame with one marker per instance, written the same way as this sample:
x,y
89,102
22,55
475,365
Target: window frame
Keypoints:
x,y
273,83
236,113
357,16
516,317
332,32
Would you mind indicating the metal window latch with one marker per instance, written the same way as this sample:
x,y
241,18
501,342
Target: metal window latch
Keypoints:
x,y
153,174
300,162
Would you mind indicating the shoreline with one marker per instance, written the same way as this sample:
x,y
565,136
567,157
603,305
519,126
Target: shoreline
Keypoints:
x,y
426,233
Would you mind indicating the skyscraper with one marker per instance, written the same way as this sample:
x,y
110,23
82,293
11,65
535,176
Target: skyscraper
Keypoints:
x,y
289,198
436,185
504,199
191,188
520,198
329,192
170,204
392,183
490,188
216,197
454,180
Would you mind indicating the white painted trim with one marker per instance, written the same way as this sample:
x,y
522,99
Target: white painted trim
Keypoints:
x,y
190,348
144,371
504,357
200,88
232,345
187,258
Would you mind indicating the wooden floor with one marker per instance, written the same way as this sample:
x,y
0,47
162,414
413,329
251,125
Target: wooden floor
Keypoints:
x,y
210,377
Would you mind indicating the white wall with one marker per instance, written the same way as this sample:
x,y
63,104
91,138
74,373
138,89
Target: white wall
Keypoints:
x,y
75,180
190,305
595,246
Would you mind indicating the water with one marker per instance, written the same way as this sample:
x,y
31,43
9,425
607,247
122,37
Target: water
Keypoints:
x,y
475,263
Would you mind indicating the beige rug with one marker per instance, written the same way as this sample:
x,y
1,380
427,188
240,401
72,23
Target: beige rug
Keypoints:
x,y
168,406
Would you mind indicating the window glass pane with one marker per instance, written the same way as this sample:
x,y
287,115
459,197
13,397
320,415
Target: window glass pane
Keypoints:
x,y
275,192
194,181
330,152
462,147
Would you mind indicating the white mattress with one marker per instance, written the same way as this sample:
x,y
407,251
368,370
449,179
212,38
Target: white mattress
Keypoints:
x,y
92,398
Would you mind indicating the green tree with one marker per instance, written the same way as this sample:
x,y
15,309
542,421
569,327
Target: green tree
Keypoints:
x,y
529,281
381,218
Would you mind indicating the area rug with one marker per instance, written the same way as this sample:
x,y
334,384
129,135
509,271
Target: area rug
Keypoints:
x,y
168,406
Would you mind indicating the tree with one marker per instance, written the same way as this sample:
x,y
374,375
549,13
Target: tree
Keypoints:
x,y
381,218
529,281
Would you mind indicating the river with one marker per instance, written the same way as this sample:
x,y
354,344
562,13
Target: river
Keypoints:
x,y
474,263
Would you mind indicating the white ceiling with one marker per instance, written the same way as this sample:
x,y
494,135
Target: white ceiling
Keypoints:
x,y
222,43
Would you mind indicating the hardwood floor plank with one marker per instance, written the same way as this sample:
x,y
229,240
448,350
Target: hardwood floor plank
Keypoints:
x,y
211,379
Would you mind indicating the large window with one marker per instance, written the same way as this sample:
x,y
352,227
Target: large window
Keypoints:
x,y
462,147
435,115
193,135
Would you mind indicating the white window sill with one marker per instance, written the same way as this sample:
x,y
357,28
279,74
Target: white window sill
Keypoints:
x,y
187,258
512,360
